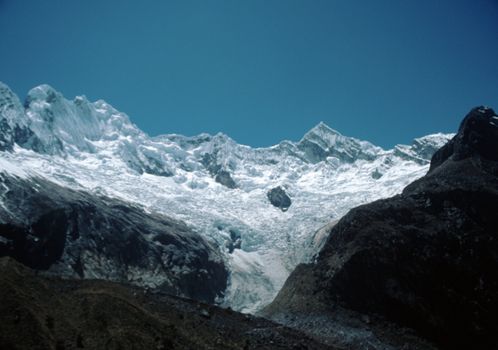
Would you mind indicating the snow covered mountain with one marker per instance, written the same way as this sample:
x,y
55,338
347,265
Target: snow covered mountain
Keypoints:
x,y
218,187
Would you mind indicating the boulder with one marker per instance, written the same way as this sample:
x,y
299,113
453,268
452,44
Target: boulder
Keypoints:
x,y
279,198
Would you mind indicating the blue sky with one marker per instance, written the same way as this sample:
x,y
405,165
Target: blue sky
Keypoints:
x,y
262,70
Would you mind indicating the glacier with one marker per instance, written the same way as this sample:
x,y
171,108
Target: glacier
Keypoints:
x,y
211,182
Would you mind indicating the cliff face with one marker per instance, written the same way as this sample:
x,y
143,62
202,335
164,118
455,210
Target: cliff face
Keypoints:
x,y
77,234
426,259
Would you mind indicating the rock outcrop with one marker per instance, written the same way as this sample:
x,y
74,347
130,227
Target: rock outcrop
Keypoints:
x,y
279,198
224,178
76,234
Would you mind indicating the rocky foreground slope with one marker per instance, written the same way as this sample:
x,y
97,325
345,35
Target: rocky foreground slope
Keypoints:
x,y
49,313
426,259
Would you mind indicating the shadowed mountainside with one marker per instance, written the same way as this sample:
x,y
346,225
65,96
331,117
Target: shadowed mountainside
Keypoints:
x,y
81,235
426,259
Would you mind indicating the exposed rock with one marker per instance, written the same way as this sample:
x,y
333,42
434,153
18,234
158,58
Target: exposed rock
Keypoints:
x,y
235,241
71,233
223,177
376,174
210,163
279,198
477,138
426,259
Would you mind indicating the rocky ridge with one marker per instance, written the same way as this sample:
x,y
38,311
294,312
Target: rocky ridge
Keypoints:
x,y
425,259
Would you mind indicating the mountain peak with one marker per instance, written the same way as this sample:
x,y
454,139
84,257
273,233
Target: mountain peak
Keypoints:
x,y
477,136
10,106
43,93
322,130
4,86
322,141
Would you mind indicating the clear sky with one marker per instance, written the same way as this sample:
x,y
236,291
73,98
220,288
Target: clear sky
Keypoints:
x,y
262,70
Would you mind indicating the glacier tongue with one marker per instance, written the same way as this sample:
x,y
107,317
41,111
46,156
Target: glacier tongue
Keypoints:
x,y
92,146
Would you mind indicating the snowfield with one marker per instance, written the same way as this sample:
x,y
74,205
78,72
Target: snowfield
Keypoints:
x,y
93,147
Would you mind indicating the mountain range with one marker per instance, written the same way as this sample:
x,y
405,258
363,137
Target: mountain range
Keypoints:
x,y
110,238
253,213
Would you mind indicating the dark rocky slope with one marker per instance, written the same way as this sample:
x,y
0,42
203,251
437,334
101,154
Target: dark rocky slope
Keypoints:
x,y
49,313
426,259
77,234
